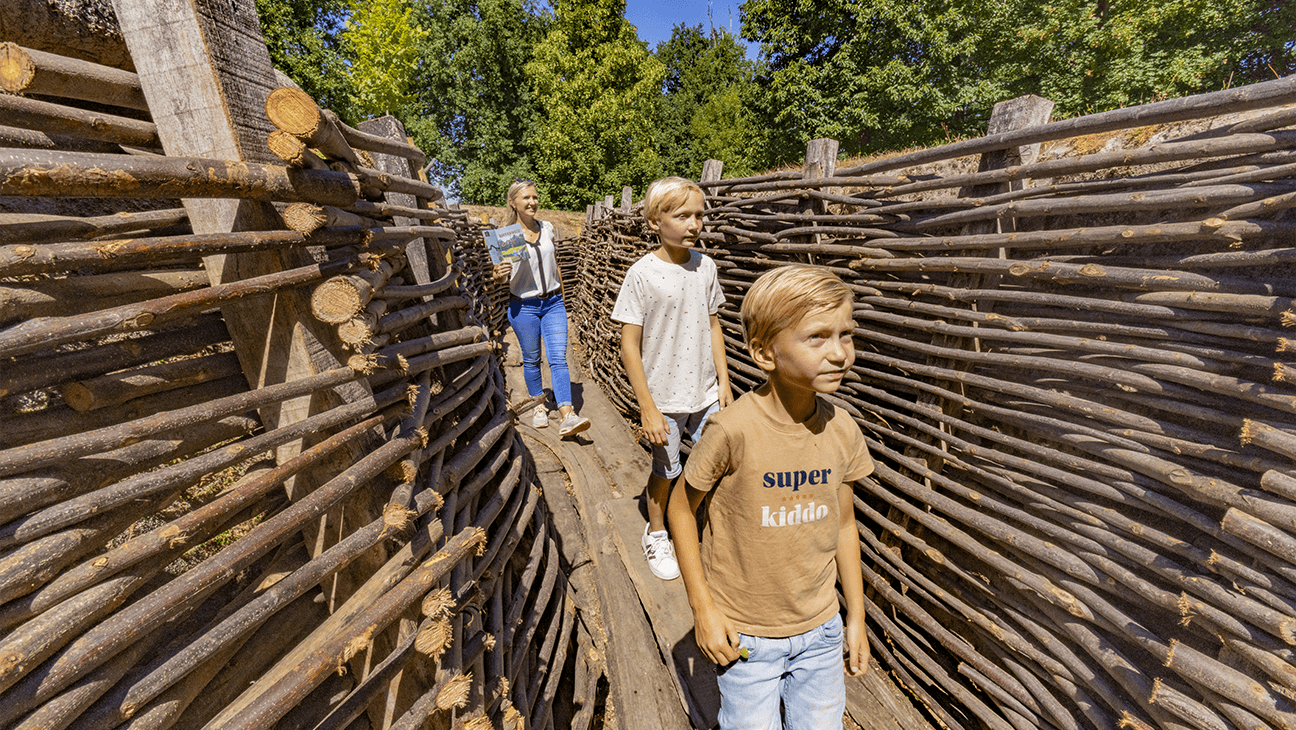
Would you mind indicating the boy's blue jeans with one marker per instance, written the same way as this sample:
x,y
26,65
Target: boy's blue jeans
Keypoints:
x,y
806,672
536,319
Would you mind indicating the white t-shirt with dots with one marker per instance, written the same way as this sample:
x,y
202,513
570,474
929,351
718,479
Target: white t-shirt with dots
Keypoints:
x,y
674,303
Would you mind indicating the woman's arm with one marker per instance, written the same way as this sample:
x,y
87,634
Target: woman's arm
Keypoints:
x,y
553,244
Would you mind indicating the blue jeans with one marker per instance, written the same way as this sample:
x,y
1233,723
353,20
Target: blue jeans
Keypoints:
x,y
536,319
806,672
665,459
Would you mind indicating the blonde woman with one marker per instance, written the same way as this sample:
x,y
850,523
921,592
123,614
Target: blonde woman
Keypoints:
x,y
536,310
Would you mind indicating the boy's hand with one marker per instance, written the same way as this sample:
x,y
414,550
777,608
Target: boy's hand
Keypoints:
x,y
857,646
715,636
654,426
502,271
726,396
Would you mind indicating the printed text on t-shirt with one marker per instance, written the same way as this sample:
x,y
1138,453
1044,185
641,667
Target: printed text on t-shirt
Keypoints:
x,y
798,516
795,479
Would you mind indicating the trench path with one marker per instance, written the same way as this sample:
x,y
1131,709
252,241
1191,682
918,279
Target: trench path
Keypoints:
x,y
604,471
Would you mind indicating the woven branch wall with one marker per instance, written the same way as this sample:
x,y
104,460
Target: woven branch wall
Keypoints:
x,y
1073,368
357,540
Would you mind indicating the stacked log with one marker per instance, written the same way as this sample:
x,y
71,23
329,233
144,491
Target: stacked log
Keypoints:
x,y
1072,367
174,552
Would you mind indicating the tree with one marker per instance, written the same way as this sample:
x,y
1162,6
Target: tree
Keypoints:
x,y
382,39
475,105
705,108
597,90
882,74
304,41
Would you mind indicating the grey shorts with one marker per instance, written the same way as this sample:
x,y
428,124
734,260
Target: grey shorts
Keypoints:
x,y
666,461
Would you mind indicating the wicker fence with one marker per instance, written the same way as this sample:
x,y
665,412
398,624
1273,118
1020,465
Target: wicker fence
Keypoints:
x,y
1073,368
256,475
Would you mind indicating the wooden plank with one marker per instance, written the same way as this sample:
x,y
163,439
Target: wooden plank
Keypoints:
x,y
874,702
672,618
642,691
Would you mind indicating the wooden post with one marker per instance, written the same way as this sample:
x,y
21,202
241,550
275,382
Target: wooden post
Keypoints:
x,y
1008,116
820,162
205,72
711,170
607,202
821,158
627,198
589,214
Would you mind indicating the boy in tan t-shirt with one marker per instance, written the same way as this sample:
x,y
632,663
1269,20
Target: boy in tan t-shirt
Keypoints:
x,y
780,523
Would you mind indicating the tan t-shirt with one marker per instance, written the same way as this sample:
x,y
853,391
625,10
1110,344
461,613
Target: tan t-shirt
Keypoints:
x,y
769,540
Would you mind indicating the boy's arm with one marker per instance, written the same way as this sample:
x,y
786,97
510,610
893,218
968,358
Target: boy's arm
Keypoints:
x,y
654,423
721,361
714,632
852,582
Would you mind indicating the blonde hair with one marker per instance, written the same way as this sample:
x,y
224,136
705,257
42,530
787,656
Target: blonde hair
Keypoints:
x,y
511,216
781,297
667,194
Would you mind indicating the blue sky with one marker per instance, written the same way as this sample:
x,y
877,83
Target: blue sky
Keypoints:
x,y
655,18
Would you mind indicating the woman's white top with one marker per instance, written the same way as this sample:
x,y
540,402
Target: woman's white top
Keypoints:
x,y
537,274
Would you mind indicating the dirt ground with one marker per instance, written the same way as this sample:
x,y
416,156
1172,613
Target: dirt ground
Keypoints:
x,y
569,225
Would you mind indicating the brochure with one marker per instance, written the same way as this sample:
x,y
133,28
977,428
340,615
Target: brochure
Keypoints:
x,y
506,244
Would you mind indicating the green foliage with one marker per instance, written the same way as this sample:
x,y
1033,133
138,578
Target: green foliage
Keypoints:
x,y
475,105
303,38
382,39
882,74
705,109
597,89
495,90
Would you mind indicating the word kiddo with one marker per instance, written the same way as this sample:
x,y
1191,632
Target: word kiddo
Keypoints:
x,y
798,515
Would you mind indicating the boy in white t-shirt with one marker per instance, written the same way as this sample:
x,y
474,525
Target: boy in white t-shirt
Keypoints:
x,y
773,476
672,347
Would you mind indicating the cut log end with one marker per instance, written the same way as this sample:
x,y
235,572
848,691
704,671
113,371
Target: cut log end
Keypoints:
x,y
293,151
337,301
1248,431
513,719
396,518
293,111
16,68
454,693
437,604
78,396
356,332
402,472
1281,374
305,218
357,644
433,640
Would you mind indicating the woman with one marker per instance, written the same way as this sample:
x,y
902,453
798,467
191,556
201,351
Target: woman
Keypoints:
x,y
536,309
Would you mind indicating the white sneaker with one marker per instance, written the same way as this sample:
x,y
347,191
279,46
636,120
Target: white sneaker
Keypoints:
x,y
660,552
540,416
572,424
